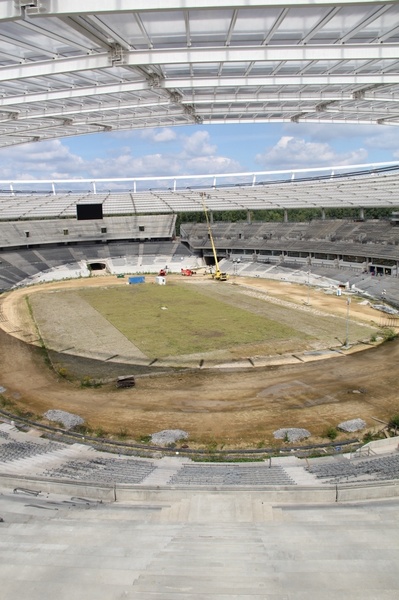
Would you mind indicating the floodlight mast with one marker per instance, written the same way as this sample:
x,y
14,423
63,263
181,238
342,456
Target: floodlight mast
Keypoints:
x,y
218,275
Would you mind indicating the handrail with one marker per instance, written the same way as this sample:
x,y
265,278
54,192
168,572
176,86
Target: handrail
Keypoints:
x,y
208,179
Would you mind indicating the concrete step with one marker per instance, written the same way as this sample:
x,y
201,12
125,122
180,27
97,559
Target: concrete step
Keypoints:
x,y
167,467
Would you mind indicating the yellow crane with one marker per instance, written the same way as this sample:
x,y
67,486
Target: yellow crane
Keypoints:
x,y
218,274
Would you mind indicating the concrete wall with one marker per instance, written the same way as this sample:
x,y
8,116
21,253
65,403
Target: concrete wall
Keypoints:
x,y
22,234
326,494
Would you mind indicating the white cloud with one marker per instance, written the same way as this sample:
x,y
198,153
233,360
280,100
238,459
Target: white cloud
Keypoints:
x,y
159,164
374,138
129,166
53,160
211,164
386,138
192,150
159,135
291,152
42,152
198,144
327,132
40,160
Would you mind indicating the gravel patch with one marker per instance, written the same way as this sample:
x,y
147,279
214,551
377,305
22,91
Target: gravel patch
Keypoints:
x,y
68,420
352,425
292,434
168,436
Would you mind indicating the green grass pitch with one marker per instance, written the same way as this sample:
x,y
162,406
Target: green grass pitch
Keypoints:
x,y
177,319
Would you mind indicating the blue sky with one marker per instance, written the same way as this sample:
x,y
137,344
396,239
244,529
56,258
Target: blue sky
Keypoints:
x,y
195,150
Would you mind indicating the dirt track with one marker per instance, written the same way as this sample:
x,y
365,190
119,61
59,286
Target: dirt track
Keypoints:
x,y
235,408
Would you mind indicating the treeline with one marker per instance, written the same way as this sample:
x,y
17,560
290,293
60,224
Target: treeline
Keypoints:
x,y
294,215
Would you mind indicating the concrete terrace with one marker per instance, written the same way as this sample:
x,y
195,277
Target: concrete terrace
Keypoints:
x,y
93,526
29,455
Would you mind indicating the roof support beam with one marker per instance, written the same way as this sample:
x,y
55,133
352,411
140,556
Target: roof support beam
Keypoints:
x,y
72,93
130,111
100,91
152,58
63,7
63,113
281,80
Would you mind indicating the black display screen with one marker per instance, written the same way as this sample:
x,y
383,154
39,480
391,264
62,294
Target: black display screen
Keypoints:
x,y
86,212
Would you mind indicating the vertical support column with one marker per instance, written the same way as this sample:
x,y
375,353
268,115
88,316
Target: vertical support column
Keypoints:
x,y
323,214
361,213
211,216
249,219
285,216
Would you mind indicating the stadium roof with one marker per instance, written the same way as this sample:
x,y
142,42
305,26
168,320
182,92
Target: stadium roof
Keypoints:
x,y
72,67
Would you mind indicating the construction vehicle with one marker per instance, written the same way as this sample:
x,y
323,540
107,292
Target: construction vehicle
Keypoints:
x,y
216,273
188,272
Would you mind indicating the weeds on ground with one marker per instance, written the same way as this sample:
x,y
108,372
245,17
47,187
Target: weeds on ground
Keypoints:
x,y
389,335
100,432
11,407
212,446
83,428
394,421
122,434
6,403
368,437
225,458
88,382
63,373
331,433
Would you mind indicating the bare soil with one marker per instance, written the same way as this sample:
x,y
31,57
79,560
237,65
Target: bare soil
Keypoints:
x,y
233,407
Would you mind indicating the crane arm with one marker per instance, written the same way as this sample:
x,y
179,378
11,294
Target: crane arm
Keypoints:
x,y
218,274
211,238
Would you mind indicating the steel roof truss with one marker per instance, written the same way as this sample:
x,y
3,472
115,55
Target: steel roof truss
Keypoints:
x,y
114,66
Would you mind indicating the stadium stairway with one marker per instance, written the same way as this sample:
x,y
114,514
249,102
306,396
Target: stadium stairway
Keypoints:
x,y
204,546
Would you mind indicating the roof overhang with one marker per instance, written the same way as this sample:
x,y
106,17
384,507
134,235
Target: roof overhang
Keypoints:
x,y
71,67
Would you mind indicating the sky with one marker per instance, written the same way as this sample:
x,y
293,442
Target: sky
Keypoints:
x,y
201,149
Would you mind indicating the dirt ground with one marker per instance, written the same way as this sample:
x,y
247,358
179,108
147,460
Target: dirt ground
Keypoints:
x,y
228,406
